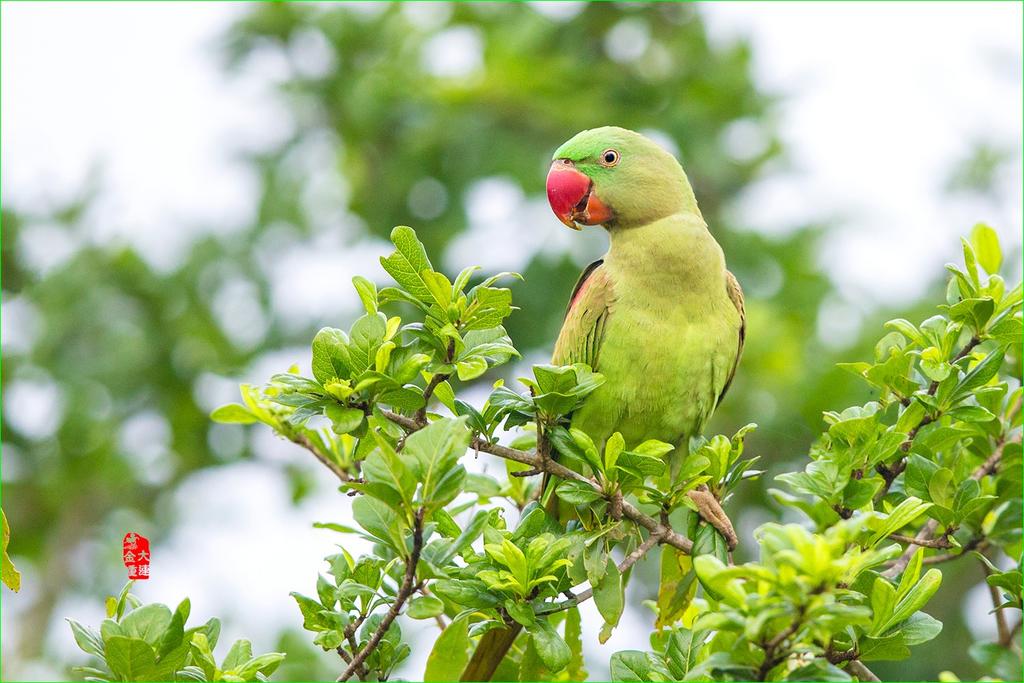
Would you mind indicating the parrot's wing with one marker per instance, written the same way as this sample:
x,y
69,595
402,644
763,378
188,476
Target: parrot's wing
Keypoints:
x,y
732,287
585,319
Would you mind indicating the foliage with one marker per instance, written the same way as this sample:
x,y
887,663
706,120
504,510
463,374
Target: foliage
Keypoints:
x,y
114,339
816,605
10,576
139,642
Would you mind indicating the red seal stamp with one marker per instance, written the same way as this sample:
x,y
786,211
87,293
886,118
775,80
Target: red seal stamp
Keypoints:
x,y
135,553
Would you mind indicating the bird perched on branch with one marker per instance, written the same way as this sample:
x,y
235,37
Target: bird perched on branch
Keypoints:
x,y
659,315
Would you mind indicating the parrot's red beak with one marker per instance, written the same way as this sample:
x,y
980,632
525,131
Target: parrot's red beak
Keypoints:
x,y
572,198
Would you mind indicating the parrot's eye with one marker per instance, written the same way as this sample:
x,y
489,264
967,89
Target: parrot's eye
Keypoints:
x,y
609,157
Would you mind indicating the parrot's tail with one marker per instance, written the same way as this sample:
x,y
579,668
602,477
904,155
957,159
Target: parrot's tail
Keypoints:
x,y
493,647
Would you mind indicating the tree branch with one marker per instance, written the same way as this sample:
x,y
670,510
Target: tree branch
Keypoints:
x,y
407,588
623,566
1011,637
771,660
1002,628
421,414
938,543
858,669
665,533
979,543
889,474
927,534
304,441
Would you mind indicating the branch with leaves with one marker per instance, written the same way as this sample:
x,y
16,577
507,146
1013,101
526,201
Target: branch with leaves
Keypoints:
x,y
939,450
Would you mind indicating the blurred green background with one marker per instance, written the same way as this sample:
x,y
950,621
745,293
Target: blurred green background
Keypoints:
x,y
117,343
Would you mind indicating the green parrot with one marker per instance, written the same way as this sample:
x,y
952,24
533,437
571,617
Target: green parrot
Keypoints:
x,y
659,315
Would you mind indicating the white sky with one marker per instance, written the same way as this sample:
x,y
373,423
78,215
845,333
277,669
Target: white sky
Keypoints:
x,y
881,100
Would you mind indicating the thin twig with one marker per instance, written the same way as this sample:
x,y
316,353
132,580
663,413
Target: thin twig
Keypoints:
x,y
421,415
990,465
304,441
1002,628
407,588
927,533
858,669
938,543
771,660
978,543
889,473
1011,637
665,533
623,567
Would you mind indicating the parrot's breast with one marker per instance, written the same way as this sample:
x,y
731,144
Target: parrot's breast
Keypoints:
x,y
671,339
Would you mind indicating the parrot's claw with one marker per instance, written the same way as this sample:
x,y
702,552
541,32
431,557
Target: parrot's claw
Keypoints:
x,y
711,510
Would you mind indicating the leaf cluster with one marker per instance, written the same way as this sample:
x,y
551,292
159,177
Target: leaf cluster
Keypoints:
x,y
149,642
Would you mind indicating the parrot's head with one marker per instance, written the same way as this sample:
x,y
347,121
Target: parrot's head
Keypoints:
x,y
617,178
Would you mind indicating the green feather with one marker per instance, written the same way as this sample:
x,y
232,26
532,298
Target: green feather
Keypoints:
x,y
660,317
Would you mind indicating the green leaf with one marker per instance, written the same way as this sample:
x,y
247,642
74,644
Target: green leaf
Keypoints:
x,y
384,466
587,448
367,334
380,521
8,573
914,600
367,293
131,659
979,375
408,262
521,612
471,368
892,647
450,653
920,628
997,660
677,586
264,664
903,514
609,596
911,574
551,649
425,607
330,355
531,668
612,448
239,654
173,647
435,451
819,670
634,665
310,608
466,593
489,308
577,492
682,650
940,487
883,602
918,475
985,242
343,420
575,669
233,413
147,623
88,640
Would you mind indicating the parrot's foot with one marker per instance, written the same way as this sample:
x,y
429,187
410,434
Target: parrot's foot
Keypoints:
x,y
711,510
